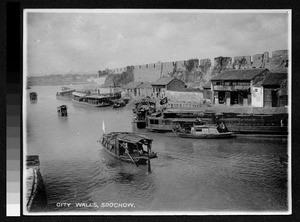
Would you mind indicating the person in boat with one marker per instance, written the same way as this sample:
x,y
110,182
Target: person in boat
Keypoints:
x,y
222,128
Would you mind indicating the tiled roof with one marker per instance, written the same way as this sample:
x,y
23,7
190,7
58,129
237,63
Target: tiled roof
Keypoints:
x,y
145,85
207,86
133,85
163,81
239,74
274,79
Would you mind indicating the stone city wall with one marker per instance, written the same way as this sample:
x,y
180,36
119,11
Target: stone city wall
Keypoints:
x,y
203,70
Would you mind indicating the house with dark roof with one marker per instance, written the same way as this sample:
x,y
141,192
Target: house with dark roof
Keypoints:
x,y
274,86
167,83
234,86
132,90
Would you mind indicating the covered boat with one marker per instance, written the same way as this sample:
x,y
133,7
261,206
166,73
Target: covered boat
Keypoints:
x,y
33,96
128,147
205,132
62,110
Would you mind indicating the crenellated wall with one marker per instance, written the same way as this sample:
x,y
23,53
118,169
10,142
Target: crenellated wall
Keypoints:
x,y
196,73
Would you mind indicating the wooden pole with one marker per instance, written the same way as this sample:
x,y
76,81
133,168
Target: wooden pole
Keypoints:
x,y
149,165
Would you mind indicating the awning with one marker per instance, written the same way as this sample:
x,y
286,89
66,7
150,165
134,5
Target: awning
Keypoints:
x,y
132,138
80,94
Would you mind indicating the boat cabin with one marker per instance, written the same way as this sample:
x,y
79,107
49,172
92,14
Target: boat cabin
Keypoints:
x,y
62,110
33,96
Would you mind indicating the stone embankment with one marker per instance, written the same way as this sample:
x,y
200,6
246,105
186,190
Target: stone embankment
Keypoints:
x,y
36,198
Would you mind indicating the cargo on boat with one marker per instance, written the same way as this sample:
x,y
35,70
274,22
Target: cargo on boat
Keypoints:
x,y
62,110
128,147
143,108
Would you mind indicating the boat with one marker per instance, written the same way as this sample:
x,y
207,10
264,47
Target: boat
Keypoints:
x,y
62,110
96,100
256,124
206,132
164,121
143,108
65,94
33,96
128,147
118,103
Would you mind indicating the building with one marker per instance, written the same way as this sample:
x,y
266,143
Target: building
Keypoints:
x,y
132,90
145,89
207,94
234,87
274,95
167,83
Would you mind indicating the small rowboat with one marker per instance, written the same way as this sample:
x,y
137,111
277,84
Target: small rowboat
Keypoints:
x,y
206,132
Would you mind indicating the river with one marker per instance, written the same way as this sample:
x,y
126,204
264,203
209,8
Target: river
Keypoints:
x,y
189,175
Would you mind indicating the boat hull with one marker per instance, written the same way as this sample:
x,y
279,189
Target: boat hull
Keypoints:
x,y
90,104
207,136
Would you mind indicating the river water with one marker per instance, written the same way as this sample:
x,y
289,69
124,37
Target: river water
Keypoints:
x,y
189,175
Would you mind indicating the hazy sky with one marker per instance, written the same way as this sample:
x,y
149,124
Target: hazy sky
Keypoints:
x,y
59,43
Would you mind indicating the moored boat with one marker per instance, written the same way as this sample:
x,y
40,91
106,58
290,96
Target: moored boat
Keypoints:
x,y
33,96
207,132
143,108
62,110
118,103
96,100
65,94
128,147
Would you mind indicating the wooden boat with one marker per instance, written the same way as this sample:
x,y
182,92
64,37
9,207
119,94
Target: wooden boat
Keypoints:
x,y
33,96
143,108
257,124
118,104
96,100
165,121
128,147
65,94
62,110
207,132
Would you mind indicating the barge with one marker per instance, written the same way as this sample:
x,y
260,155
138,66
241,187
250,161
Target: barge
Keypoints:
x,y
96,100
238,123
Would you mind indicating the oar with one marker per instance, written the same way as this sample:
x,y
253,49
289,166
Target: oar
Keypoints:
x,y
132,159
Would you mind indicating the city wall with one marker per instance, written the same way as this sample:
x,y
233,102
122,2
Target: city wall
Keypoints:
x,y
203,69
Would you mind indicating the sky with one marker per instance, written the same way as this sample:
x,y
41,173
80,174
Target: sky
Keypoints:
x,y
58,42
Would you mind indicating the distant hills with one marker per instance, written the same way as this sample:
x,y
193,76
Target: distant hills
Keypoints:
x,y
60,79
